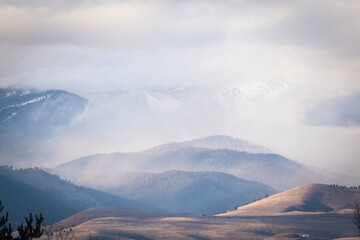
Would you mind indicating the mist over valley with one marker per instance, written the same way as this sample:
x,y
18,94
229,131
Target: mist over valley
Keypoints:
x,y
179,119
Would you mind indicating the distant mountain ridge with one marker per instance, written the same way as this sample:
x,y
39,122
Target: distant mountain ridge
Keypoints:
x,y
28,121
218,142
268,168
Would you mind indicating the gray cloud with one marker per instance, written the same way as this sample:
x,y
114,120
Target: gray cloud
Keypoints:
x,y
325,25
92,45
329,25
112,44
342,111
122,24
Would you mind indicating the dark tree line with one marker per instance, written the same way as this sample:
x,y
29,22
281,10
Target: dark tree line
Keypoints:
x,y
345,187
27,231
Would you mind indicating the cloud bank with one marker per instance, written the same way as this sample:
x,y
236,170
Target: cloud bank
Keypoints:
x,y
307,52
341,111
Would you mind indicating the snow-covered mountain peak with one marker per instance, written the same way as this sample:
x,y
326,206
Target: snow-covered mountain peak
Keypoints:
x,y
29,119
252,90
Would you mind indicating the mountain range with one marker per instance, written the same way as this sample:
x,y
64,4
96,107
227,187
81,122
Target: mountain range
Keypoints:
x,y
40,128
198,155
34,190
190,192
214,173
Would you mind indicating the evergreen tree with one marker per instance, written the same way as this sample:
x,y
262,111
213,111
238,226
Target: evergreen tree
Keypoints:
x,y
5,228
26,232
29,231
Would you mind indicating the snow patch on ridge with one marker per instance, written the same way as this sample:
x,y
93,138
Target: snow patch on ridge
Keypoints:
x,y
253,90
38,99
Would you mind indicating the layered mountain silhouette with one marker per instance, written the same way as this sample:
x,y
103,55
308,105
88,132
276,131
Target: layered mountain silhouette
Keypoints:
x,y
206,154
201,176
205,175
33,190
190,192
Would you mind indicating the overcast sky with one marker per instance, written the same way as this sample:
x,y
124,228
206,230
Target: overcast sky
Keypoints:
x,y
298,61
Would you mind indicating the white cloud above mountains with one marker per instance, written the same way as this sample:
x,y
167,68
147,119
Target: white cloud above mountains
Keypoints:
x,y
283,59
92,44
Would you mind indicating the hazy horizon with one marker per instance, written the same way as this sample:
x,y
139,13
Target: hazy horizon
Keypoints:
x,y
281,74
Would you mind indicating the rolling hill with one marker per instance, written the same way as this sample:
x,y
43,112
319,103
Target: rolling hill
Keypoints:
x,y
20,199
111,223
34,190
190,192
108,212
305,199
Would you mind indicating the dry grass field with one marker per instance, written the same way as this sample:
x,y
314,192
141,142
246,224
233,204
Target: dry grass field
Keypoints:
x,y
305,199
313,211
136,226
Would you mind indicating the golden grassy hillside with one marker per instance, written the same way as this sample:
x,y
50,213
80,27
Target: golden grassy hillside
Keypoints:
x,y
309,198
